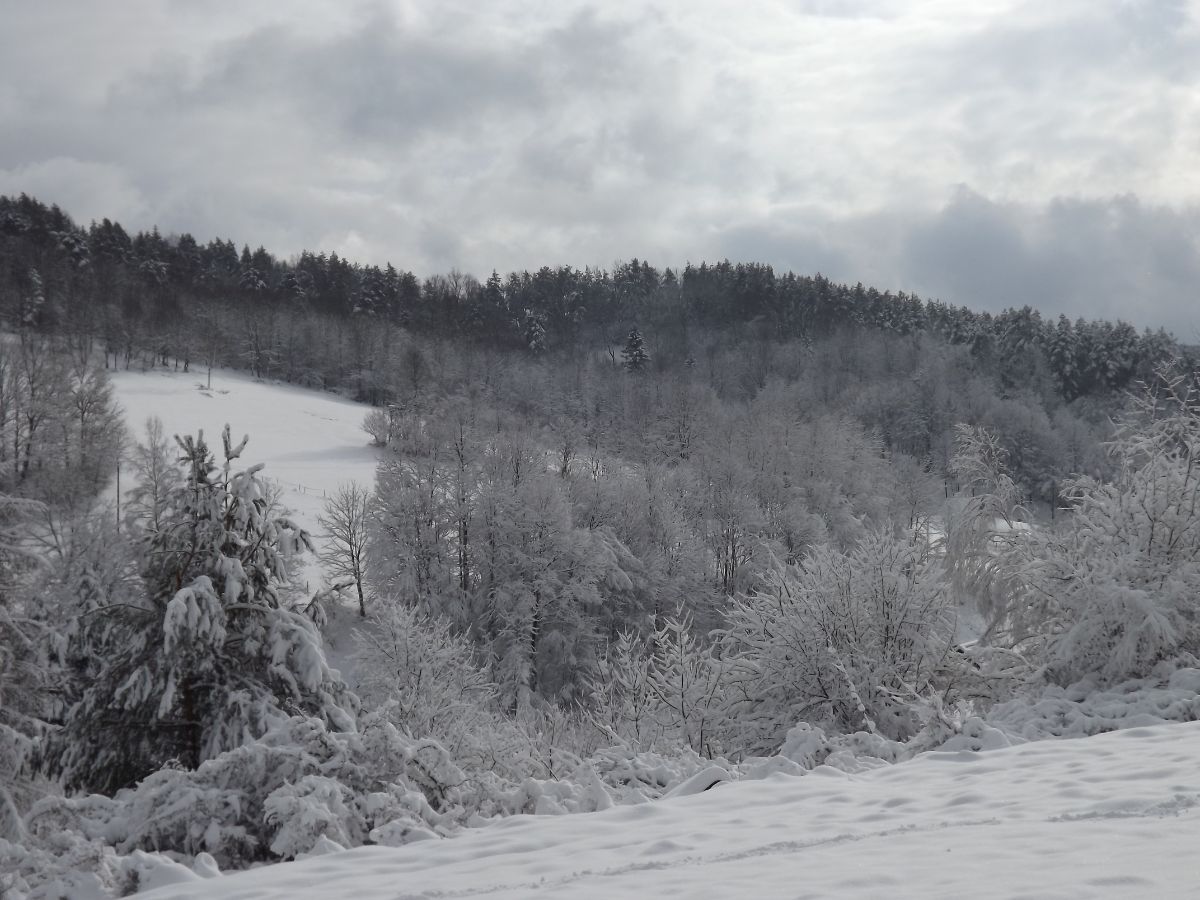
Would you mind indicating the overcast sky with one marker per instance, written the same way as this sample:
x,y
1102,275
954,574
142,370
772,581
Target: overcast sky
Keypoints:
x,y
990,153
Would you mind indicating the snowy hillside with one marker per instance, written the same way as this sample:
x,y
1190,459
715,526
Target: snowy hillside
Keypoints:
x,y
310,441
1108,816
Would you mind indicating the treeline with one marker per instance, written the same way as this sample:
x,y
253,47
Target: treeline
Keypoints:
x,y
175,298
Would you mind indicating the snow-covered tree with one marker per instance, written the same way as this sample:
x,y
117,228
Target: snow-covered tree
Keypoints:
x,y
384,424
409,540
545,588
425,679
621,696
1112,590
34,300
688,684
24,667
847,639
345,551
634,355
212,654
156,475
986,520
661,690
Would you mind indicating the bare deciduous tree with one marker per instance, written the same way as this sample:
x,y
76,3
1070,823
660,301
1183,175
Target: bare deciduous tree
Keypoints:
x,y
345,522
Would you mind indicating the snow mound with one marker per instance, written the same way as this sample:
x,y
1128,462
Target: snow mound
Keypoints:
x,y
1114,815
1083,709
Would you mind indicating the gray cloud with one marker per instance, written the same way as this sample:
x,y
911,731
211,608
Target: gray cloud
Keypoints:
x,y
376,83
1113,258
1110,258
990,153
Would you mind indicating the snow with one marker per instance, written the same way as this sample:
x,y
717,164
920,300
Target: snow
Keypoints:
x,y
310,441
1114,815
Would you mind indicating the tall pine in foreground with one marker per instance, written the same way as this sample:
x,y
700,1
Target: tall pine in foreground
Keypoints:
x,y
212,653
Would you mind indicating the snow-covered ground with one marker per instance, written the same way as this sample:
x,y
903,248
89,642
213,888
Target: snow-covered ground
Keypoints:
x,y
310,441
1108,816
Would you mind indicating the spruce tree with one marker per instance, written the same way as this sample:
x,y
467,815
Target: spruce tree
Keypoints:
x,y
211,654
634,353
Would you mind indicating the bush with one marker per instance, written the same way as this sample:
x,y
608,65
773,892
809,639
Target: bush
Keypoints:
x,y
857,640
1111,591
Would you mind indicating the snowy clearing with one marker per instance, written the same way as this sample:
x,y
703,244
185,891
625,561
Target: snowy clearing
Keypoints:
x,y
310,441
1108,816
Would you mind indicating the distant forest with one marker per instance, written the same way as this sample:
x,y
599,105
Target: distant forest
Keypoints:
x,y
904,367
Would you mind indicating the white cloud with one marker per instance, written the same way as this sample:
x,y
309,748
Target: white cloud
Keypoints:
x,y
830,134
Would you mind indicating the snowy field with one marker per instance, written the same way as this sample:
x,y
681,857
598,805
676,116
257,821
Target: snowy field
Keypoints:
x,y
1108,816
310,440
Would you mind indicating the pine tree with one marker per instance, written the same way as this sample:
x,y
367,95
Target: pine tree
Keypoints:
x,y
634,353
211,655
535,334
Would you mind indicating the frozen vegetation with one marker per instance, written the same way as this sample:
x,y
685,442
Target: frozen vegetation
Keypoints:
x,y
694,772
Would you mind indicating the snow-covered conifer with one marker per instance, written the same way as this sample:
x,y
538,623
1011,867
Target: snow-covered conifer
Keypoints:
x,y
634,355
212,653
